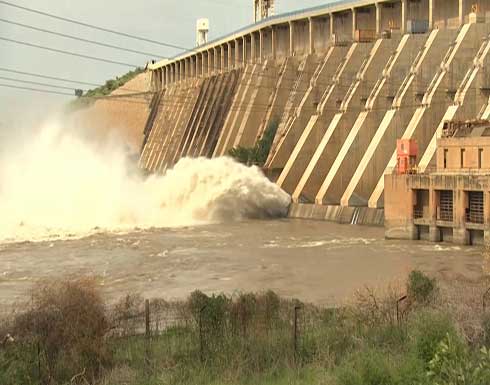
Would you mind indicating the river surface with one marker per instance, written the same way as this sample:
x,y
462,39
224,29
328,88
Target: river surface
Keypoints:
x,y
314,261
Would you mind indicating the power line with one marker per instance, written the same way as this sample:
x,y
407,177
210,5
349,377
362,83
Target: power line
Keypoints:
x,y
37,83
36,90
49,77
79,38
67,52
61,79
103,29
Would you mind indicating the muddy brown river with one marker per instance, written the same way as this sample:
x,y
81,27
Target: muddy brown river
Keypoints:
x,y
314,261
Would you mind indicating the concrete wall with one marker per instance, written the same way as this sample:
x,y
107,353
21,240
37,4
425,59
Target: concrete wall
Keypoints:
x,y
340,104
402,221
476,155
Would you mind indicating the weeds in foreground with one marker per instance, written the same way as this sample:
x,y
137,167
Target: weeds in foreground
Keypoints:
x,y
67,335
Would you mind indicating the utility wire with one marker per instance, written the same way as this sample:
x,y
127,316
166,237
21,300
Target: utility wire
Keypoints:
x,y
36,90
49,77
103,29
38,83
80,39
60,79
67,52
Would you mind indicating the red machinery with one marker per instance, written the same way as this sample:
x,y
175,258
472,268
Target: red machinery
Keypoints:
x,y
406,153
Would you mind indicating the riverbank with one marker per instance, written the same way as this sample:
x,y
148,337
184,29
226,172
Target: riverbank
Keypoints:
x,y
410,332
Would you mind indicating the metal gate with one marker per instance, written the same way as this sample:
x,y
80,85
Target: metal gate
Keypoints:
x,y
475,210
446,205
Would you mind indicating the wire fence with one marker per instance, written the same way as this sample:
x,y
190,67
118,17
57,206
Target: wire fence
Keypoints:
x,y
268,329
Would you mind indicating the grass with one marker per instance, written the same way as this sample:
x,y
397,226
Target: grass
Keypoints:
x,y
249,339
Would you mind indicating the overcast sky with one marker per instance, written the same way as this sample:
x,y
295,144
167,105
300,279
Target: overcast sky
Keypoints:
x,y
169,21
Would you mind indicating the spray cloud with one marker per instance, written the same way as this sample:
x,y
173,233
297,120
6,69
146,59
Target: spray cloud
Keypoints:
x,y
57,185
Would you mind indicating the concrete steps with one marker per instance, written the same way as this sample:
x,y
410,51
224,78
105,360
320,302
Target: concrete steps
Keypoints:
x,y
172,154
353,134
222,107
280,94
307,118
437,107
255,112
230,125
204,125
287,133
355,66
391,124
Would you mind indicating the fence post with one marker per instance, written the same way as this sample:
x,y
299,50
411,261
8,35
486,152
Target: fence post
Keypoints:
x,y
295,335
147,318
398,302
201,335
39,361
147,331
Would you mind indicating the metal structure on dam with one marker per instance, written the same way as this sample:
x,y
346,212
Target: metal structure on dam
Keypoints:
x,y
343,81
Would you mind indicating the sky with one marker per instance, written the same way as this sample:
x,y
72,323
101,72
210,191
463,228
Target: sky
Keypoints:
x,y
168,21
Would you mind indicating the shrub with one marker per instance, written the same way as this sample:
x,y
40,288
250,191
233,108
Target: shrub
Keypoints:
x,y
454,364
67,320
258,154
369,367
420,287
427,331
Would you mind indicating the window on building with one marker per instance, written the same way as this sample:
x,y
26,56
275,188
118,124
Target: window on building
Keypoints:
x,y
445,158
480,157
462,157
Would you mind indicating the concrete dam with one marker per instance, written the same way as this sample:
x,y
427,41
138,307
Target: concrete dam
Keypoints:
x,y
342,82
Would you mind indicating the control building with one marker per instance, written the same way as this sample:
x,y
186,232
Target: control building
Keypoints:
x,y
450,202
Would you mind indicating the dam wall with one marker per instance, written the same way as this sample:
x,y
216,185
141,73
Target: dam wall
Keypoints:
x,y
342,83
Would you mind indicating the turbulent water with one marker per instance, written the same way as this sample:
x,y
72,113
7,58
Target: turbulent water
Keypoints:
x,y
57,184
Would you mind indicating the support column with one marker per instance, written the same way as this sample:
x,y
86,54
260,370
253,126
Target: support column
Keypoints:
x,y
162,77
230,56
244,55
378,19
431,14
216,61
291,38
273,45
404,17
261,45
434,232
202,65
181,75
461,4
460,234
252,48
237,54
222,65
210,63
354,22
311,47
332,30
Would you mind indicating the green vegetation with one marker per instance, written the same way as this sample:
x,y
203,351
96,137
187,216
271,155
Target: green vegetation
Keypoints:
x,y
66,336
258,154
88,98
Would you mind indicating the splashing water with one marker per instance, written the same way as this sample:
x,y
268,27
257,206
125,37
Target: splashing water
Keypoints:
x,y
58,185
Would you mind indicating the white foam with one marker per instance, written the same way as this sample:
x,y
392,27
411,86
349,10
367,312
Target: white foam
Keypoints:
x,y
58,185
